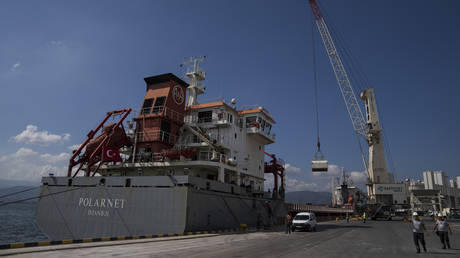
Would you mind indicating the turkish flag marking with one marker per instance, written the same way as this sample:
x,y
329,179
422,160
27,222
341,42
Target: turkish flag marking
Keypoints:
x,y
111,154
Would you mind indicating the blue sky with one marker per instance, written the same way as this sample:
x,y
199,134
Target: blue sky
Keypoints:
x,y
64,64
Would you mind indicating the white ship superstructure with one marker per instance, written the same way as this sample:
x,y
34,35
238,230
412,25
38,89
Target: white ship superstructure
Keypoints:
x,y
179,166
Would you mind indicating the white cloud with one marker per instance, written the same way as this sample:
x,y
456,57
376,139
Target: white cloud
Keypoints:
x,y
358,178
26,164
74,147
55,158
56,43
332,170
21,153
24,152
293,185
15,66
32,136
290,168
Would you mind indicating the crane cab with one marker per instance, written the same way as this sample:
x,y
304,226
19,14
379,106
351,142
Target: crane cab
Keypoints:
x,y
319,166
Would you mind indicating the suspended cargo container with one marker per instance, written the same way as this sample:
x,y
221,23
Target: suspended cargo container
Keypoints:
x,y
319,166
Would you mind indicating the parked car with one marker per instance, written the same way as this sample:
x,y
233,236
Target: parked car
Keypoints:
x,y
304,221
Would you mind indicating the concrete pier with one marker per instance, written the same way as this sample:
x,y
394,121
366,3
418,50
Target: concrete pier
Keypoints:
x,y
333,239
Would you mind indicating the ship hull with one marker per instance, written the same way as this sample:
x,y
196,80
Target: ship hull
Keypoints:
x,y
91,208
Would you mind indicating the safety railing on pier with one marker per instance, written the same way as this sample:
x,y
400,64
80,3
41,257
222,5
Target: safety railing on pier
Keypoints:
x,y
295,207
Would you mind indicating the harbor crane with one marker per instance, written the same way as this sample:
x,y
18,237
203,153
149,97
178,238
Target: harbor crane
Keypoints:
x,y
367,128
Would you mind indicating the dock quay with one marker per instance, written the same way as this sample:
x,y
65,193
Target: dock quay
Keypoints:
x,y
332,239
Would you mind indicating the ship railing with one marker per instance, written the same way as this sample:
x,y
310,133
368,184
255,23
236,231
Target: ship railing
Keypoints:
x,y
257,129
194,119
173,114
156,135
165,112
193,139
149,157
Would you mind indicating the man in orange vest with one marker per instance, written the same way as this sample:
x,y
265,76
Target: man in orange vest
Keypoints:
x,y
288,222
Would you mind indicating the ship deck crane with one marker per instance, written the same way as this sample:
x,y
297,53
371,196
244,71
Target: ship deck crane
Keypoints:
x,y
276,167
369,128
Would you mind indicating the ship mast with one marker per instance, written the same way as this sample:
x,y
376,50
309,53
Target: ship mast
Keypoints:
x,y
196,75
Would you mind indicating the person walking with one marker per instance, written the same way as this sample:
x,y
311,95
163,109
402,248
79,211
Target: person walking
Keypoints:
x,y
364,217
441,227
418,229
348,218
288,222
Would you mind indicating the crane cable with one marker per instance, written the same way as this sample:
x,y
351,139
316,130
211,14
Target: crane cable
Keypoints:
x,y
315,85
39,196
18,192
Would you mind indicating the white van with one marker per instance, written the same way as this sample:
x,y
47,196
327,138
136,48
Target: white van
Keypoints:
x,y
304,221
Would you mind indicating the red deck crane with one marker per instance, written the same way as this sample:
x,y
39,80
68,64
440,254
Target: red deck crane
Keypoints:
x,y
276,167
112,136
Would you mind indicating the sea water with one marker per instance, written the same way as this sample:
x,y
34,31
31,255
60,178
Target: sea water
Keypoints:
x,y
18,223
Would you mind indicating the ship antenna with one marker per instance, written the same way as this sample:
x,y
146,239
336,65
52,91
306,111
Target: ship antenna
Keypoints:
x,y
196,75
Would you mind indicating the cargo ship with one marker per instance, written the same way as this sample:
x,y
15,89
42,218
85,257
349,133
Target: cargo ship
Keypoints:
x,y
176,166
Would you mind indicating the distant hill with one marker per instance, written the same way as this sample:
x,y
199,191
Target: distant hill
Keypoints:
x,y
303,197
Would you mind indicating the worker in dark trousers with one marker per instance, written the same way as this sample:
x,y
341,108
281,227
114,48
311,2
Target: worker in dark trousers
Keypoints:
x,y
288,222
442,227
418,229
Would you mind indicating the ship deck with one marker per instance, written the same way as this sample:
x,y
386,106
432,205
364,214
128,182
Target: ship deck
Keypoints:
x,y
333,239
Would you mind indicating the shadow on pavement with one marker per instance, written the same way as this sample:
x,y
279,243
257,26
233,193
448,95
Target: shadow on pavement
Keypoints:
x,y
442,253
325,227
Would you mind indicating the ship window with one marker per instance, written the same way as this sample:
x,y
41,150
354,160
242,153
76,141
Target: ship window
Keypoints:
x,y
235,135
165,131
250,121
268,128
128,182
230,118
165,126
204,117
159,103
204,155
147,106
